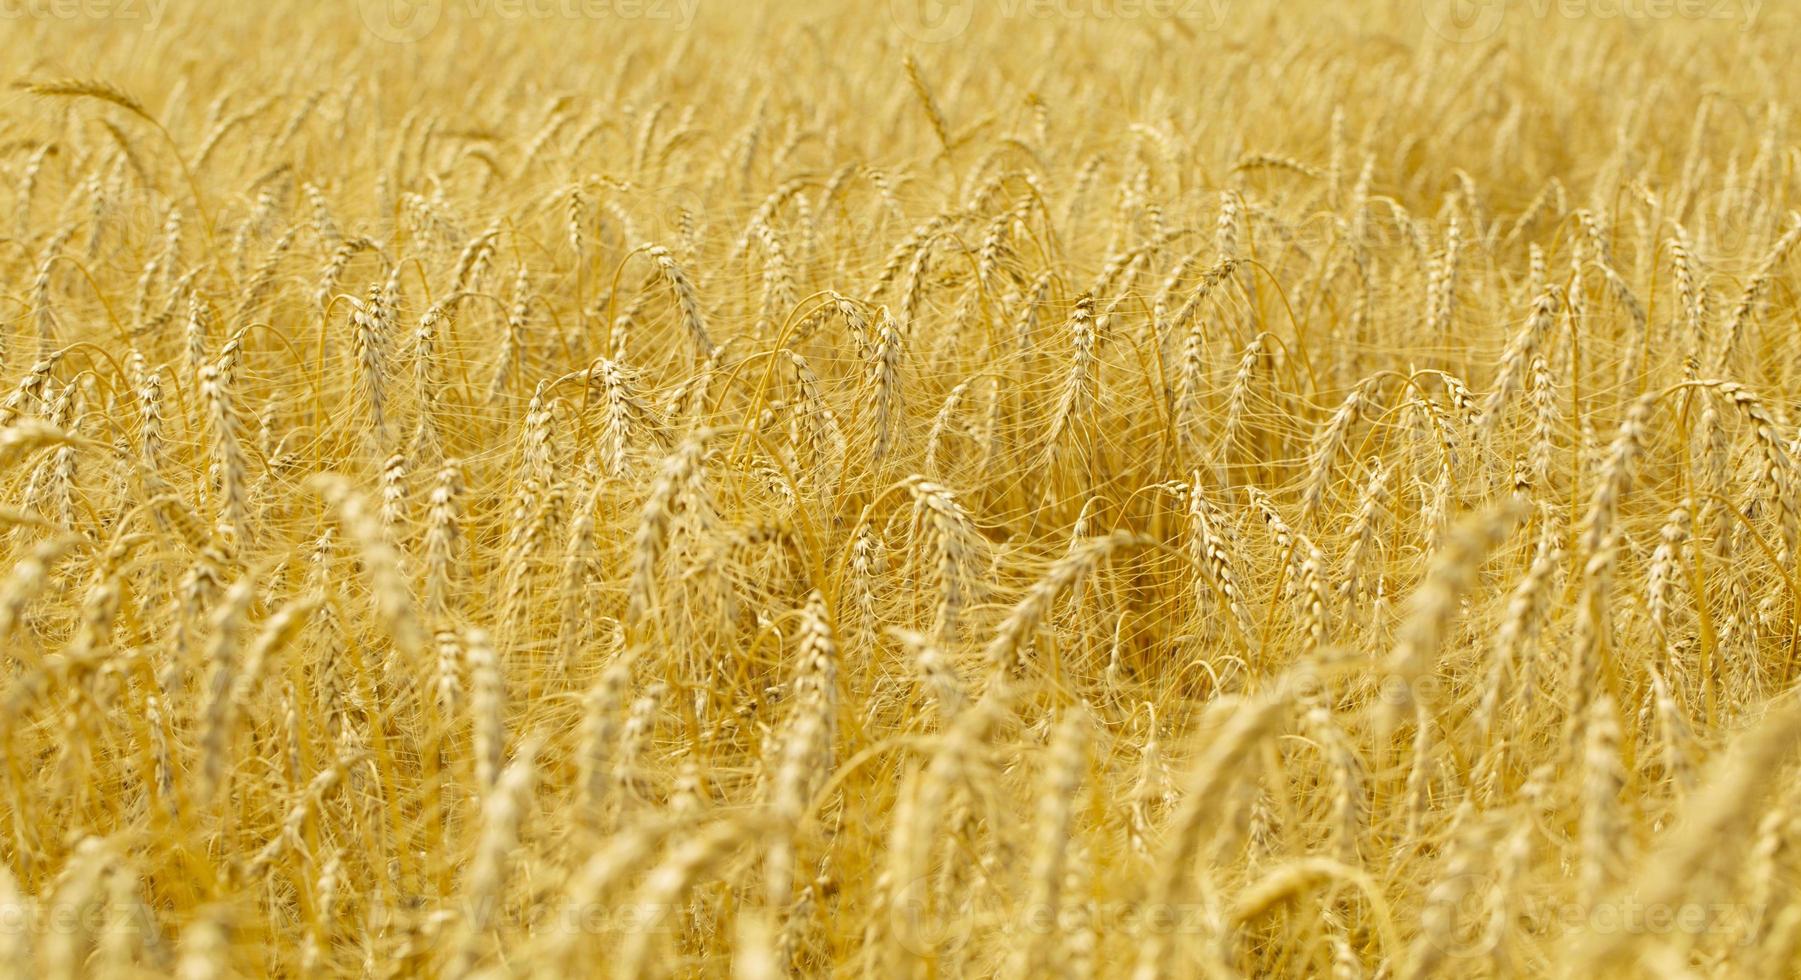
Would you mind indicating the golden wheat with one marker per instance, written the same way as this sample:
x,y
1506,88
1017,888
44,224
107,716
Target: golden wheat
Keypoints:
x,y
1102,489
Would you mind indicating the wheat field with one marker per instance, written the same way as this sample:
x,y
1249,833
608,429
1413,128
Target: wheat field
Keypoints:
x,y
687,488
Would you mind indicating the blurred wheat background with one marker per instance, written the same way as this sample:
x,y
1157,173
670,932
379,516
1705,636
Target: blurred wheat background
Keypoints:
x,y
1216,488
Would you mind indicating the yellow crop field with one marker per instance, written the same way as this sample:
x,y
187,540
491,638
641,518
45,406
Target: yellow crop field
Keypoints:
x,y
903,489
